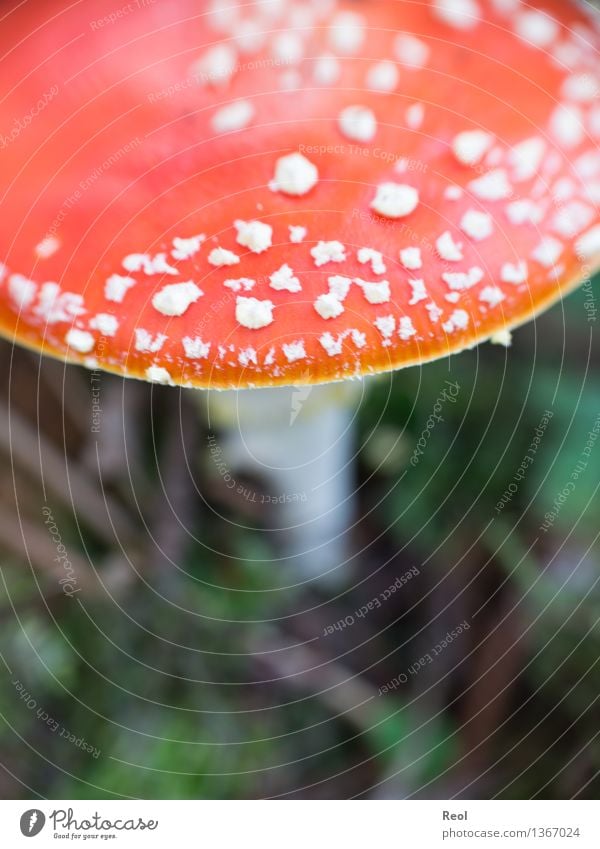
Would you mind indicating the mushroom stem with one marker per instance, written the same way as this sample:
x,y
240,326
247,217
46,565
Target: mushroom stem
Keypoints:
x,y
298,441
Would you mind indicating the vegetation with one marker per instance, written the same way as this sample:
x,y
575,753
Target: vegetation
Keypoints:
x,y
162,655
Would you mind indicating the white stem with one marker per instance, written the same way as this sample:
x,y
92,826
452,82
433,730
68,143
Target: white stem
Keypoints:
x,y
300,442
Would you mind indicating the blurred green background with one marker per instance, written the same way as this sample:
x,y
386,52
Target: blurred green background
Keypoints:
x,y
168,670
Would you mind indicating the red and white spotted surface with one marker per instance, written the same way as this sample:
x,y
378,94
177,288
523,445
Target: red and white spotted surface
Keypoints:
x,y
214,194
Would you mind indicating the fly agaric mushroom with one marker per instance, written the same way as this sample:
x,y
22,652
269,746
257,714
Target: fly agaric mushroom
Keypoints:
x,y
283,193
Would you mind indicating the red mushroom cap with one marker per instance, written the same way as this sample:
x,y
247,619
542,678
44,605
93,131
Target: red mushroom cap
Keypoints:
x,y
224,195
